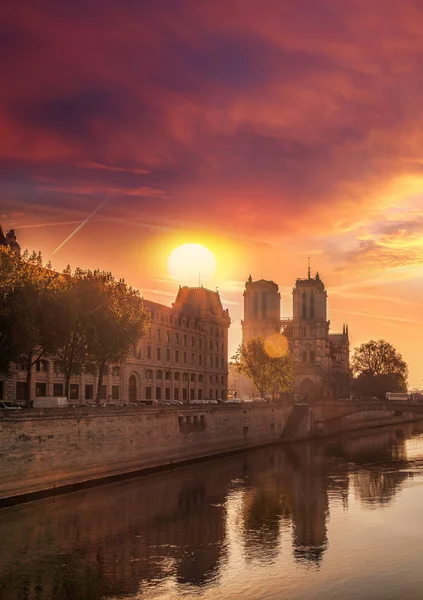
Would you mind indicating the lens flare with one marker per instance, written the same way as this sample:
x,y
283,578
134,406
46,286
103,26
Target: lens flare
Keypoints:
x,y
276,345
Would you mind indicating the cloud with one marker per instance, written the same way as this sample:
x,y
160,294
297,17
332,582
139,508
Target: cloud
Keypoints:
x,y
266,116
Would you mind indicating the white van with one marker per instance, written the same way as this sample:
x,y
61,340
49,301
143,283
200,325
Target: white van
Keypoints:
x,y
50,402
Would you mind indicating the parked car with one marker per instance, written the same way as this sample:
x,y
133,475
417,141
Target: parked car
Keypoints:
x,y
9,406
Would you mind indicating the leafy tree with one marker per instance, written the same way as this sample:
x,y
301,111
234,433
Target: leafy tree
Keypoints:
x,y
379,368
69,308
8,265
378,358
26,286
115,321
265,371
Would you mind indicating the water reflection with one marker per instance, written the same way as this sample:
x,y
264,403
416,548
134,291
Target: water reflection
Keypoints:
x,y
187,526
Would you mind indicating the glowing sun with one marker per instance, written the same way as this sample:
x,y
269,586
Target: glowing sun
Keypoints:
x,y
192,264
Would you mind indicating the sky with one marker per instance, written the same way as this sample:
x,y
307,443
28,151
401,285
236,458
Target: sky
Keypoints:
x,y
267,131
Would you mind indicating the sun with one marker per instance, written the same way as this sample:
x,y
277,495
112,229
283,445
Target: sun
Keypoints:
x,y
192,264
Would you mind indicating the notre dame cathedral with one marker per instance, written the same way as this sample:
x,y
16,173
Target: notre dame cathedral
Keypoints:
x,y
321,358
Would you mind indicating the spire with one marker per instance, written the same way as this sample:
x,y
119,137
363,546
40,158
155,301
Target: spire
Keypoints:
x,y
309,276
250,279
343,329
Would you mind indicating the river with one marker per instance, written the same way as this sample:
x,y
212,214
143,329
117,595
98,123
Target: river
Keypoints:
x,y
335,519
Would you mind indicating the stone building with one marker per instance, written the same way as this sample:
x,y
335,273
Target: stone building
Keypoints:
x,y
262,309
321,358
183,356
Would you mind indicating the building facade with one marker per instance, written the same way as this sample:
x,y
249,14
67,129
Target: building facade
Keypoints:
x,y
182,357
262,309
184,354
321,358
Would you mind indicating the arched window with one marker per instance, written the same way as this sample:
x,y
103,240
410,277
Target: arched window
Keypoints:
x,y
177,377
193,378
304,306
159,375
255,305
185,377
304,356
116,371
200,379
149,374
312,304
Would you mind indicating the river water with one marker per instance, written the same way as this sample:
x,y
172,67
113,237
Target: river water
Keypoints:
x,y
335,519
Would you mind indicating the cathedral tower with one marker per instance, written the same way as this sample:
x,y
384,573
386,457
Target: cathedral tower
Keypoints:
x,y
262,309
308,334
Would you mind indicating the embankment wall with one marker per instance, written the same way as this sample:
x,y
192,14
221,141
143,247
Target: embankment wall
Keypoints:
x,y
40,450
57,449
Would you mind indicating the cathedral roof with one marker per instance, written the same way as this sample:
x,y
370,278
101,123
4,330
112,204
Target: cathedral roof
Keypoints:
x,y
261,283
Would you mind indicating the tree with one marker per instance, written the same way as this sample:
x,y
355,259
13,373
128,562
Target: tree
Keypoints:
x,y
379,368
115,321
69,309
378,358
26,286
265,371
8,267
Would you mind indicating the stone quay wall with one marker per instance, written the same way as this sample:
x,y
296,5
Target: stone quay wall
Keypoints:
x,y
49,450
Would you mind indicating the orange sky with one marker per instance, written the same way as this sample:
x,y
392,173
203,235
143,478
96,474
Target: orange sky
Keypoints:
x,y
268,132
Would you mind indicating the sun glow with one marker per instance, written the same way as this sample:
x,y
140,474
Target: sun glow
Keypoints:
x,y
192,264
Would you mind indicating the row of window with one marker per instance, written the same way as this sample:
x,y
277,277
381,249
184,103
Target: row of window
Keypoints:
x,y
193,377
213,361
213,344
74,391
42,366
90,391
180,321
304,332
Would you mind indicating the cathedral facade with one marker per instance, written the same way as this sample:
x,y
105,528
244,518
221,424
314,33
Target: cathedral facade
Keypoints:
x,y
321,358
